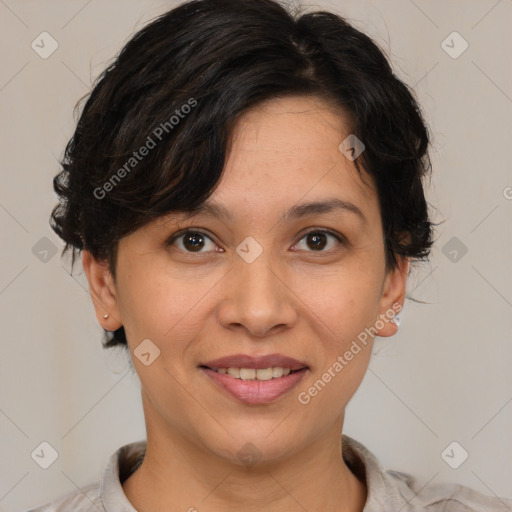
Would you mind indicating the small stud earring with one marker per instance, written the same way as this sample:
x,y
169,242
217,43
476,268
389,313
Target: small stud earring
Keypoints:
x,y
105,316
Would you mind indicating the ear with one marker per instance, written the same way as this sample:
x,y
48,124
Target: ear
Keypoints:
x,y
103,292
392,298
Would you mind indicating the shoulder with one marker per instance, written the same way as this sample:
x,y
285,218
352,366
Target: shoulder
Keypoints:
x,y
446,497
106,495
390,490
84,500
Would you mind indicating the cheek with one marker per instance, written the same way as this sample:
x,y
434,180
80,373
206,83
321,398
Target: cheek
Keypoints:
x,y
155,305
344,344
345,302
343,310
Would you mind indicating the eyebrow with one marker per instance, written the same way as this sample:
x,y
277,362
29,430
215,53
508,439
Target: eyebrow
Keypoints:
x,y
211,209
318,207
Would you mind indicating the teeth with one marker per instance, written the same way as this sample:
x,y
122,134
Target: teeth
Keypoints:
x,y
252,374
234,372
264,374
280,372
247,373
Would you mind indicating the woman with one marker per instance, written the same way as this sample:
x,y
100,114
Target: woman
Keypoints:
x,y
245,189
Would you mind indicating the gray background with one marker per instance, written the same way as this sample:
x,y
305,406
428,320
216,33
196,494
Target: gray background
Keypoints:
x,y
445,377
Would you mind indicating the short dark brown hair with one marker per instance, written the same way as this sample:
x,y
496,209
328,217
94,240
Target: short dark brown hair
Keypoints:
x,y
183,80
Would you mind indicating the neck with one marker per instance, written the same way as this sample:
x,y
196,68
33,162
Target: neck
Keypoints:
x,y
177,474
178,477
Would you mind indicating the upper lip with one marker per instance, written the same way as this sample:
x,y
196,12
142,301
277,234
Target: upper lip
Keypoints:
x,y
247,361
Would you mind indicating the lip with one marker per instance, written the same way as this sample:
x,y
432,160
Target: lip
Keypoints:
x,y
247,361
255,391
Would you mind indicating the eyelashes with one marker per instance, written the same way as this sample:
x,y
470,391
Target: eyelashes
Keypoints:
x,y
321,233
192,235
186,239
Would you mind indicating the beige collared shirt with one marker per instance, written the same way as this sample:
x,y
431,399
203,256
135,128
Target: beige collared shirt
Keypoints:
x,y
388,491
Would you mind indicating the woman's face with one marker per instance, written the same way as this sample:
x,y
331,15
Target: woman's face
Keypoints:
x,y
275,279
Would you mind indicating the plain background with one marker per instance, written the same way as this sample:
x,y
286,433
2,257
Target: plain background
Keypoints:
x,y
445,377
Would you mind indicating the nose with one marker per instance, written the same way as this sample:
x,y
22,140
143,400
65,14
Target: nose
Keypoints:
x,y
257,299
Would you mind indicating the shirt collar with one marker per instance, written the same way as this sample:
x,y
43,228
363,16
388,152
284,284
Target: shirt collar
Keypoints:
x,y
383,491
119,467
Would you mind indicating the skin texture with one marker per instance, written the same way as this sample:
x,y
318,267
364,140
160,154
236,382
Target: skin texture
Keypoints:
x,y
300,298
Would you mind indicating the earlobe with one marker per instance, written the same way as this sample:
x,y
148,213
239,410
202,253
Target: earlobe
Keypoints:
x,y
103,293
393,298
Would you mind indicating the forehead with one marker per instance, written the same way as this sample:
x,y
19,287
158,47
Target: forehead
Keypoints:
x,y
284,163
290,147
304,123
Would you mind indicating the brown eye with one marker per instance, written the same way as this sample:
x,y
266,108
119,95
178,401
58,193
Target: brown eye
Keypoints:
x,y
191,241
317,240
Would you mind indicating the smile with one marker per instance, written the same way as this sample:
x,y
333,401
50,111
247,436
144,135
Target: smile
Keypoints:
x,y
247,386
255,374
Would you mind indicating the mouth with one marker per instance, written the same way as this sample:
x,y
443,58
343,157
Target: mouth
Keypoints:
x,y
255,380
263,374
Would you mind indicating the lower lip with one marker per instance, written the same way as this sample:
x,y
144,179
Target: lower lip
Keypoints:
x,y
256,391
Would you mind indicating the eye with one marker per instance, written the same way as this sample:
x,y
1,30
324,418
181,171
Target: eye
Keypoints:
x,y
316,239
191,241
